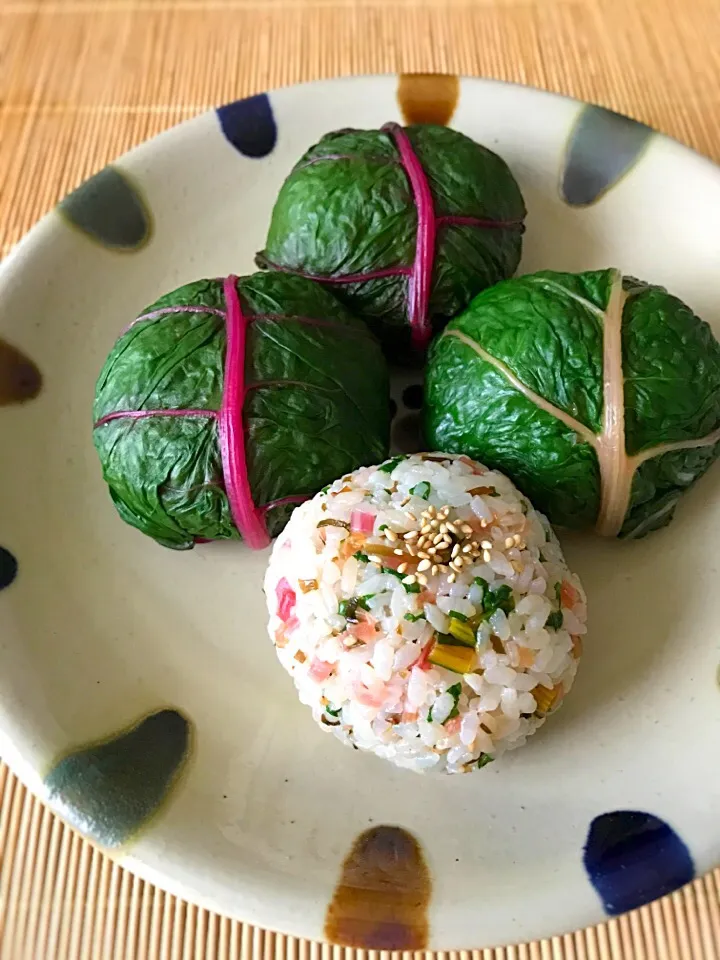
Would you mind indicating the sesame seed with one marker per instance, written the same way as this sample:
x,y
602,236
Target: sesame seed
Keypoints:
x,y
451,528
412,535
398,552
456,564
517,538
374,558
434,569
466,529
404,501
509,542
487,544
434,523
443,528
467,548
422,579
426,529
411,516
423,565
486,556
432,510
411,549
431,550
391,535
451,578
425,557
455,550
437,539
410,580
402,568
467,560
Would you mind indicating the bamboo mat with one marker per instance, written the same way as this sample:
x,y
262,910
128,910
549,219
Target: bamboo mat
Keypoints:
x,y
81,81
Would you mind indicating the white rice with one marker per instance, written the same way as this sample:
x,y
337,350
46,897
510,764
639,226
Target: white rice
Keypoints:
x,y
367,671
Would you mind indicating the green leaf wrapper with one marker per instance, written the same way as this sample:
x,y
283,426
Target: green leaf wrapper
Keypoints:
x,y
598,395
405,224
228,402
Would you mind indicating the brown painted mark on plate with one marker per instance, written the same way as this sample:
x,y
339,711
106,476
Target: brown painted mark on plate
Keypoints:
x,y
428,97
20,379
381,901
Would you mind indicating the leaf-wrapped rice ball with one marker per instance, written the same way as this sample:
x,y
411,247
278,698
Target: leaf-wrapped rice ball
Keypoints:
x,y
227,402
405,224
598,394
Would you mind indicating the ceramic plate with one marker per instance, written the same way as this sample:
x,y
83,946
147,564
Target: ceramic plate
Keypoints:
x,y
139,692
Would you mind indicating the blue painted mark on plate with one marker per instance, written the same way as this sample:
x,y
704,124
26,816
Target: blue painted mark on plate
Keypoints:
x,y
111,788
633,858
109,209
249,125
602,148
8,568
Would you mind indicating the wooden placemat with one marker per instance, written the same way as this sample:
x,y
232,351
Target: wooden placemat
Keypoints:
x,y
81,81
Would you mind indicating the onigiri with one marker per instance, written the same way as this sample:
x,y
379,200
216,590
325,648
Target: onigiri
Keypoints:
x,y
425,612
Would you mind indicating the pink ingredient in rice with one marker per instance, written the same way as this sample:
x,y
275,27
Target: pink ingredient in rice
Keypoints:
x,y
286,599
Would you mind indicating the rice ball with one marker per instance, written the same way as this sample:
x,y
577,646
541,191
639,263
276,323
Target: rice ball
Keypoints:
x,y
425,612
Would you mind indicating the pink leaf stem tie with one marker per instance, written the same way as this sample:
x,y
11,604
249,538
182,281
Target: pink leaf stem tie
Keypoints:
x,y
422,268
249,519
267,264
231,431
144,414
269,317
164,311
284,501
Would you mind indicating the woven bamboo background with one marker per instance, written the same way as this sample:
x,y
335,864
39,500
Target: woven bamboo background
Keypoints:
x,y
81,81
